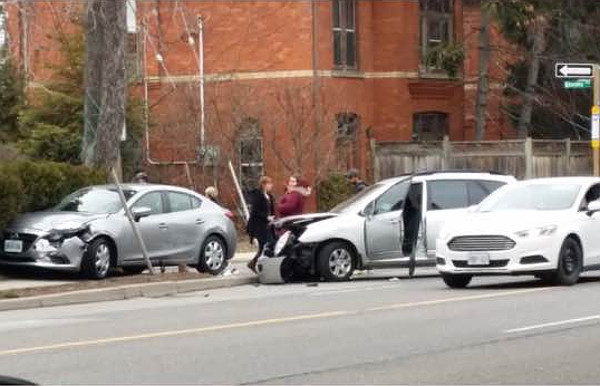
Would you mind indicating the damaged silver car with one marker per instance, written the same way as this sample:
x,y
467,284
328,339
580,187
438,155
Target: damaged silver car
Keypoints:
x,y
391,224
89,232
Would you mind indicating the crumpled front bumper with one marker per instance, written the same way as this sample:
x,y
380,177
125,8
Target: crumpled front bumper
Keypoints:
x,y
67,257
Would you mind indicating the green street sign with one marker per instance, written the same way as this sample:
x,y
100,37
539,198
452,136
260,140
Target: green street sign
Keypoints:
x,y
577,83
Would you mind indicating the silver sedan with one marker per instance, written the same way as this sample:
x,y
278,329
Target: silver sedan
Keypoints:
x,y
90,233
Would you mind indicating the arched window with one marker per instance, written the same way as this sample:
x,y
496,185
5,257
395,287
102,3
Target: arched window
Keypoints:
x,y
430,126
250,153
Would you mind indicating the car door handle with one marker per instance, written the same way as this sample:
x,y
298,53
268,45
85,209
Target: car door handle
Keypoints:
x,y
395,221
163,226
199,221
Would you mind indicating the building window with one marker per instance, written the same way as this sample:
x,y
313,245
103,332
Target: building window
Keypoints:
x,y
430,126
134,67
250,154
347,126
436,26
344,34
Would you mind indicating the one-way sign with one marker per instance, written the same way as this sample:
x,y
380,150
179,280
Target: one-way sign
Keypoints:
x,y
574,70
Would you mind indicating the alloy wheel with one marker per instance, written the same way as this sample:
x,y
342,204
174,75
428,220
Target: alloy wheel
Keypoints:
x,y
214,255
102,259
340,262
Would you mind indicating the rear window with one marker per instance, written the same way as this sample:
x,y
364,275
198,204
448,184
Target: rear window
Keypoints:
x,y
449,194
478,190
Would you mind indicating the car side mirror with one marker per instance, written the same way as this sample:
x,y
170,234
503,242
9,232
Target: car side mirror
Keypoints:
x,y
368,210
141,212
593,207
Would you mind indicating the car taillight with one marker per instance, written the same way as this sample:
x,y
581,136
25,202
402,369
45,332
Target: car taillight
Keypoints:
x,y
230,215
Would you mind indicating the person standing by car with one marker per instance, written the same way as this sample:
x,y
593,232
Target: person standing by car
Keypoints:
x,y
212,193
261,214
354,179
140,178
292,202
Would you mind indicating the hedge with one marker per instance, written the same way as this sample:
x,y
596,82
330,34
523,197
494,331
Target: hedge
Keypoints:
x,y
332,191
27,186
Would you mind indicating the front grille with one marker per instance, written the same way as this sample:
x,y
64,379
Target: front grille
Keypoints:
x,y
27,238
492,264
481,243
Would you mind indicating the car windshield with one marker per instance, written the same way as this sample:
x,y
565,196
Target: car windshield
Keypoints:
x,y
356,198
97,201
532,197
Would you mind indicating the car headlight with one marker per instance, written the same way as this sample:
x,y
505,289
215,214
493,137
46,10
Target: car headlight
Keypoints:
x,y
282,242
44,246
547,230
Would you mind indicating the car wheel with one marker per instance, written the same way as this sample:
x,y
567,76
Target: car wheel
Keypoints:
x,y
134,269
97,259
213,256
336,261
570,263
457,281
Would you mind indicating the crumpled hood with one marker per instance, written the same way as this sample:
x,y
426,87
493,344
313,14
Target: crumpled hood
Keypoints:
x,y
48,221
303,219
503,221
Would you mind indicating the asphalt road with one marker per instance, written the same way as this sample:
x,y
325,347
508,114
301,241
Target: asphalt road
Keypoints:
x,y
369,331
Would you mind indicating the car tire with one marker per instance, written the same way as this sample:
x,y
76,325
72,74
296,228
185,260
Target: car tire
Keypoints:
x,y
97,259
213,256
456,281
336,261
134,269
570,263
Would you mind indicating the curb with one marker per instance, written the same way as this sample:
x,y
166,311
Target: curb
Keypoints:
x,y
147,290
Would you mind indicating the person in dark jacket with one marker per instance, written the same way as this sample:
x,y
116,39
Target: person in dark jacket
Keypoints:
x,y
292,202
261,214
355,180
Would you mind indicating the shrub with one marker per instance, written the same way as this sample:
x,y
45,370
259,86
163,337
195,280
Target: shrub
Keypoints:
x,y
332,191
30,186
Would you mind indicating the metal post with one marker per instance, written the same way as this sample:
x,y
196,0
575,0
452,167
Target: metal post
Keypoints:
x,y
136,231
239,191
596,122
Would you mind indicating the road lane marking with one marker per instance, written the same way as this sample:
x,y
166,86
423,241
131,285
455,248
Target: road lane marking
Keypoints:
x,y
552,324
457,299
262,322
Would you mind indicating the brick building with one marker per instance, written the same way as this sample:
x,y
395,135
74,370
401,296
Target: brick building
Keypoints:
x,y
281,87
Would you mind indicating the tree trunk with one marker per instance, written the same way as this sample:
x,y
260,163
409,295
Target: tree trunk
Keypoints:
x,y
106,88
482,83
537,48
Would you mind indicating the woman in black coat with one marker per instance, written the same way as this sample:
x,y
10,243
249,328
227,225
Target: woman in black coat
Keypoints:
x,y
261,215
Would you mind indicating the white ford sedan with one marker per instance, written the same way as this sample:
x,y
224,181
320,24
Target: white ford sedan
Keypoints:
x,y
549,228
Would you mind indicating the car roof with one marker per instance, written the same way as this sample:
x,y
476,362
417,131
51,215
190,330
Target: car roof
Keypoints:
x,y
144,187
451,175
563,180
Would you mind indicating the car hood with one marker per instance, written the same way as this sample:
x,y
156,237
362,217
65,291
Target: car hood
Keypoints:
x,y
48,221
503,221
303,219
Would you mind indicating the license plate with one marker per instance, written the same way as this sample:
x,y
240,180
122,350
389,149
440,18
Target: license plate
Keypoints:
x,y
478,259
13,246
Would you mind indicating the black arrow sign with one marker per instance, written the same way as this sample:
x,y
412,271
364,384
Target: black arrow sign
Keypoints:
x,y
574,70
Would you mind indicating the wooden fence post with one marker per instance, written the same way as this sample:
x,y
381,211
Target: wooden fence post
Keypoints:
x,y
446,153
528,150
568,157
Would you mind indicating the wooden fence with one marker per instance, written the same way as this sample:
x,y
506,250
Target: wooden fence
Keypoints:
x,y
528,158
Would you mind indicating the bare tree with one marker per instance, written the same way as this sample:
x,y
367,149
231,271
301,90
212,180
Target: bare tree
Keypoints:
x,y
106,91
483,77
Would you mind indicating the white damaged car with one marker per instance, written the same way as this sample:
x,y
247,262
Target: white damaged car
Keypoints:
x,y
393,223
549,228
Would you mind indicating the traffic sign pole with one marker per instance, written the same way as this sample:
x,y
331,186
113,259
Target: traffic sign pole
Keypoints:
x,y
596,121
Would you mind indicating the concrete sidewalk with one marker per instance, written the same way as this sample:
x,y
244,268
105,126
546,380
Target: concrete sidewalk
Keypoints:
x,y
236,274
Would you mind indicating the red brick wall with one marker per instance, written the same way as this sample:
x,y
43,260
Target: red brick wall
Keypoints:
x,y
273,41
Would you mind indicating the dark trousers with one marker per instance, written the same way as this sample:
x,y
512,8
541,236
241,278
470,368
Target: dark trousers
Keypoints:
x,y
261,246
